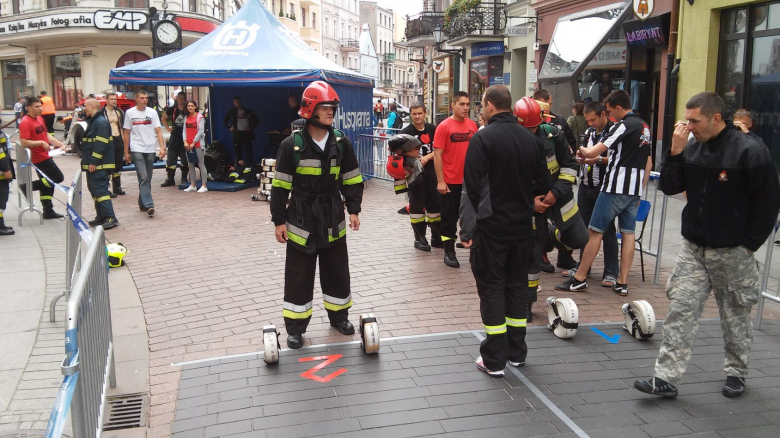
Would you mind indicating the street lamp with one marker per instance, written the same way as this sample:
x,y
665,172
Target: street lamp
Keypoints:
x,y
438,35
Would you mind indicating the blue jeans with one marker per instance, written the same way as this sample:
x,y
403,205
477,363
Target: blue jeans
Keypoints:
x,y
586,201
144,165
610,206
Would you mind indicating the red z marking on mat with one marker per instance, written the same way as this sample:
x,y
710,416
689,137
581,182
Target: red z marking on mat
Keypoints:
x,y
328,360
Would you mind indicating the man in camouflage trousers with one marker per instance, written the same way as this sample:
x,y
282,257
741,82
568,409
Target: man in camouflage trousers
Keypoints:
x,y
733,201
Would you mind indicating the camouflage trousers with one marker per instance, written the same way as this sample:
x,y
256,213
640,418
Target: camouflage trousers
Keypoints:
x,y
732,275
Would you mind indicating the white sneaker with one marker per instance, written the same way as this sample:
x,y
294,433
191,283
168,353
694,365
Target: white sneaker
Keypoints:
x,y
203,189
481,366
190,189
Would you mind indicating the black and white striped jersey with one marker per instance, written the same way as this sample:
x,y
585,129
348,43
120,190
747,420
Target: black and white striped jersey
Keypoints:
x,y
629,146
591,174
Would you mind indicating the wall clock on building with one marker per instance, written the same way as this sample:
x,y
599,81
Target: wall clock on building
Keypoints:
x,y
166,33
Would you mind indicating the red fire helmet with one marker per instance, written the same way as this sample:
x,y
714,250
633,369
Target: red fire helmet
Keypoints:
x,y
318,92
528,112
395,167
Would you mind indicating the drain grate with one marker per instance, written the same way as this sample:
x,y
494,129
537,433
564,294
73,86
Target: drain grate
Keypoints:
x,y
125,412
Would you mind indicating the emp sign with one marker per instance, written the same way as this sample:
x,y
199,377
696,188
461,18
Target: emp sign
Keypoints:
x,y
119,20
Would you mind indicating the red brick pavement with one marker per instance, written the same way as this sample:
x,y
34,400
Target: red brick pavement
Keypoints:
x,y
210,274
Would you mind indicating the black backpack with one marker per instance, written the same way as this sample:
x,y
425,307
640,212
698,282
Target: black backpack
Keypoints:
x,y
399,122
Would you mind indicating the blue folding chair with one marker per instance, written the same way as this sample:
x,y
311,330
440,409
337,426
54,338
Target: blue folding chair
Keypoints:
x,y
641,216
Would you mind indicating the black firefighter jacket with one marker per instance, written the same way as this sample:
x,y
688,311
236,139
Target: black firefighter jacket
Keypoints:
x,y
732,188
505,168
562,175
315,214
231,121
5,158
96,145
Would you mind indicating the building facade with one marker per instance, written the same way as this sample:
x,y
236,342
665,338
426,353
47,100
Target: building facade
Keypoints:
x,y
380,28
300,16
68,50
369,61
520,71
733,48
341,33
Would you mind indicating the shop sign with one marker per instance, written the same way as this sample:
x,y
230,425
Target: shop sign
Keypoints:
x,y
521,30
487,49
102,19
438,66
643,8
533,77
609,55
645,34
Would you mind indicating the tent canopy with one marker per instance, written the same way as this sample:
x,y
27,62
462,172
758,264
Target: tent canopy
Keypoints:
x,y
252,48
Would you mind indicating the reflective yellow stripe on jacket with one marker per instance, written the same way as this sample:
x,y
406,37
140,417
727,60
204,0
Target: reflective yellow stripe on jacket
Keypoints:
x,y
352,177
297,235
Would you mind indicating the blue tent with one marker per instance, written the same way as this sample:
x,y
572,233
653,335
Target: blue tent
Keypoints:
x,y
255,56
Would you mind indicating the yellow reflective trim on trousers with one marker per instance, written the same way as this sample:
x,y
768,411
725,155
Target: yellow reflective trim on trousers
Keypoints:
x,y
445,238
173,167
354,180
433,219
495,329
103,198
295,315
247,170
342,233
101,167
335,307
309,170
533,283
569,178
516,322
281,184
46,198
45,182
417,220
101,139
1,214
2,155
296,238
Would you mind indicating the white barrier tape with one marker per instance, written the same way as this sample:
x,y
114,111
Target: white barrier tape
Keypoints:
x,y
62,405
64,189
81,225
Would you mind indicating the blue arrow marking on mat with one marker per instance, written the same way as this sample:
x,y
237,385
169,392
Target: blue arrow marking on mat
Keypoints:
x,y
611,339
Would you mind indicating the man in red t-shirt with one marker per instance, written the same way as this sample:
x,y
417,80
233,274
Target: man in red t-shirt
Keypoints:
x,y
34,136
449,147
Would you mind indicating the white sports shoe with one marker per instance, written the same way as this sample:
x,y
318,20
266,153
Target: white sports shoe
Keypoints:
x,y
481,366
190,189
203,189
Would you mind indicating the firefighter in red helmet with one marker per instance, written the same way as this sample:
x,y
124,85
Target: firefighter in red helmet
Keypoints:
x,y
314,168
568,231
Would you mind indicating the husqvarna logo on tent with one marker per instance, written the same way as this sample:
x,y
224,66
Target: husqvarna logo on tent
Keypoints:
x,y
236,37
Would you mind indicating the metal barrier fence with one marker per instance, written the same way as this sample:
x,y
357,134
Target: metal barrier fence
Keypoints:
x,y
72,243
764,290
372,154
24,182
89,334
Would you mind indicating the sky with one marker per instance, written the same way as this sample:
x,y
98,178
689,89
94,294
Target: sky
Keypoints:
x,y
403,7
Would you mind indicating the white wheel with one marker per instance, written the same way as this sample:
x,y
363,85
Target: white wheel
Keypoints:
x,y
270,345
369,333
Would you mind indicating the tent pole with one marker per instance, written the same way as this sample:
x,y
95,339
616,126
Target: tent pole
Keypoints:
x,y
211,124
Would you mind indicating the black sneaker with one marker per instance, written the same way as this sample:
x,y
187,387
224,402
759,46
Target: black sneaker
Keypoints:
x,y
656,386
404,210
110,223
97,221
572,284
621,289
51,214
168,183
734,387
546,265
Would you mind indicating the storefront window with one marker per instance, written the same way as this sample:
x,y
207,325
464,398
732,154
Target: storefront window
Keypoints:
x,y
576,36
128,4
60,3
14,81
66,79
731,73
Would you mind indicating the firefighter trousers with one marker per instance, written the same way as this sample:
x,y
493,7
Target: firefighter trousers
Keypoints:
x,y
97,183
450,212
44,186
299,269
176,152
500,268
119,156
425,200
5,189
535,258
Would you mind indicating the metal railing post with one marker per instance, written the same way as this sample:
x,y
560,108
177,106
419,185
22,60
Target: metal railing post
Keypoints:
x,y
762,293
72,244
24,183
659,252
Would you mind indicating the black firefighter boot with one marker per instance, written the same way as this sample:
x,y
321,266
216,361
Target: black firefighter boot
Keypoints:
x,y
420,242
110,193
435,235
169,181
48,211
116,182
5,231
450,259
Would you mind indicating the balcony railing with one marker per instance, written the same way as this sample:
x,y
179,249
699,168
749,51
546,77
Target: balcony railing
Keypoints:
x,y
387,83
388,57
486,19
422,24
348,44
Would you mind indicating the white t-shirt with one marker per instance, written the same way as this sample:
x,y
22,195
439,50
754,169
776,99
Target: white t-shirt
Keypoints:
x,y
243,121
321,144
142,125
